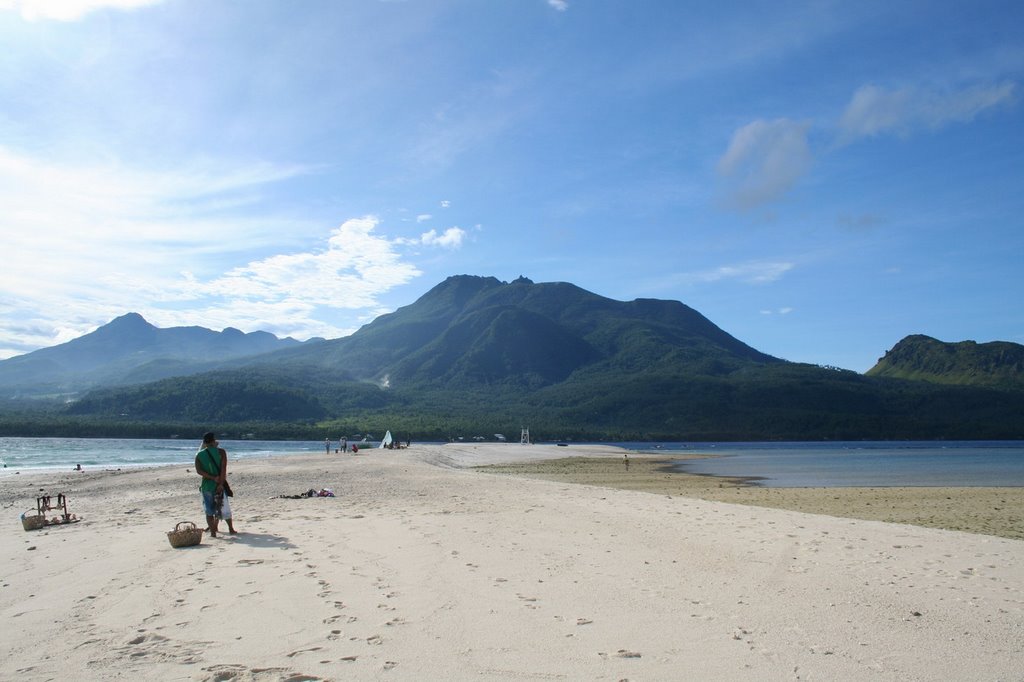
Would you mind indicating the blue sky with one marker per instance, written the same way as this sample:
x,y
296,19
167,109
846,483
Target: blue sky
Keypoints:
x,y
820,179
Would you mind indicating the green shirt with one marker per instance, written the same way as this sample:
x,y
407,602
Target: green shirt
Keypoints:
x,y
209,459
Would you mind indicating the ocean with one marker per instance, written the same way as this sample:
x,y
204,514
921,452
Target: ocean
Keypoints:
x,y
27,454
833,464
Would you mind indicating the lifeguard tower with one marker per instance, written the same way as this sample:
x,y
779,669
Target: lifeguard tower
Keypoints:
x,y
524,436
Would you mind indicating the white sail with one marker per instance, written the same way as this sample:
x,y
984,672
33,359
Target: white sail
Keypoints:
x,y
386,441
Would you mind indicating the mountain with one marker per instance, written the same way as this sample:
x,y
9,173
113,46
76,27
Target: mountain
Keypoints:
x,y
129,350
923,358
477,331
477,355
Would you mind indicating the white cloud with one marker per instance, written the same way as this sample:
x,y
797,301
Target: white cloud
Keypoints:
x,y
875,111
423,217
449,239
764,160
560,5
749,273
83,245
355,267
445,203
68,10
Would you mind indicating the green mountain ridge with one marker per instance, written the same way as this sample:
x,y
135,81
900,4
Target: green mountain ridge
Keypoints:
x,y
922,358
476,355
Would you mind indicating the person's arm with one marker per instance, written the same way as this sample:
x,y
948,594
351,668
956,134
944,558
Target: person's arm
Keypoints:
x,y
223,466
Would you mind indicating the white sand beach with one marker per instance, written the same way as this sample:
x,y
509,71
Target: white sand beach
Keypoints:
x,y
424,569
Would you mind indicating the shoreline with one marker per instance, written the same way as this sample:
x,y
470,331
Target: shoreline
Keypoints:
x,y
423,567
984,510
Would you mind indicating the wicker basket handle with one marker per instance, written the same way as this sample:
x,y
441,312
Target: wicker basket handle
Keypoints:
x,y
188,526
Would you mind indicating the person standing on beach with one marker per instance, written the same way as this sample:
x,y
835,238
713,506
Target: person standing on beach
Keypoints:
x,y
327,445
211,465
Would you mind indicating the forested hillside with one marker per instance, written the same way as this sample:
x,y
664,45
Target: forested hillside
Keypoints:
x,y
478,356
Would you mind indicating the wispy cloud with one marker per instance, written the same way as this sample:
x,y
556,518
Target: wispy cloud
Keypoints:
x,y
764,160
68,10
875,111
283,292
754,272
86,244
560,5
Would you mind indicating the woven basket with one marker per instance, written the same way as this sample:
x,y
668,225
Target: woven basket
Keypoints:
x,y
31,520
185,534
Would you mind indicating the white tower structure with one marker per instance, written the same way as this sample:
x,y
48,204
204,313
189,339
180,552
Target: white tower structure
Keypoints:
x,y
524,437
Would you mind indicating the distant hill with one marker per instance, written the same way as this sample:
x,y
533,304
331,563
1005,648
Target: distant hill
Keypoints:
x,y
923,358
477,355
128,350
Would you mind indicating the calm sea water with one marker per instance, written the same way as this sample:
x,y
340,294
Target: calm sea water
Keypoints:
x,y
858,464
110,453
837,464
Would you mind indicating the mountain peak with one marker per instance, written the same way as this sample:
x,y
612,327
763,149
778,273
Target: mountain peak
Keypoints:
x,y
129,321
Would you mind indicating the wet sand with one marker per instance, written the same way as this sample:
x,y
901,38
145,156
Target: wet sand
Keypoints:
x,y
990,511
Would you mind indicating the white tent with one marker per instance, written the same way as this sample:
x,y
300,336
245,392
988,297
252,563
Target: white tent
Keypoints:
x,y
386,441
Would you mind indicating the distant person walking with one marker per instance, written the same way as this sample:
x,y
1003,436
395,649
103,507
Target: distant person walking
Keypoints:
x,y
327,445
344,444
212,466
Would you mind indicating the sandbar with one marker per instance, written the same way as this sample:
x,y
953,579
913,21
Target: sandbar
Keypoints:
x,y
992,511
425,568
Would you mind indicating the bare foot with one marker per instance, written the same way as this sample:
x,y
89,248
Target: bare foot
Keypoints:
x,y
233,531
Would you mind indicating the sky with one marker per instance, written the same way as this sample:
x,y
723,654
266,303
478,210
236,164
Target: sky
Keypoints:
x,y
819,179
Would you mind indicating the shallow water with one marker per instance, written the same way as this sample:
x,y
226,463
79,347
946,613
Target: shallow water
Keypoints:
x,y
859,464
783,465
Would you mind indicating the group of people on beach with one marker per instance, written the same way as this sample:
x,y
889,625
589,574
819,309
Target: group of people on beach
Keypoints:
x,y
342,446
212,466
